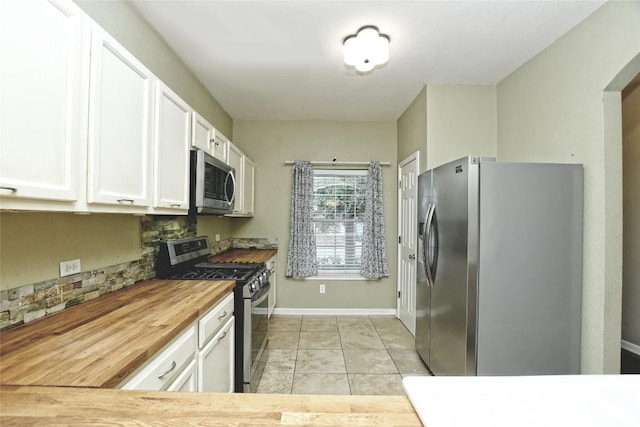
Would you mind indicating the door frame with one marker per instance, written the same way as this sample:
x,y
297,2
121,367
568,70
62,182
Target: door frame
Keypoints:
x,y
414,157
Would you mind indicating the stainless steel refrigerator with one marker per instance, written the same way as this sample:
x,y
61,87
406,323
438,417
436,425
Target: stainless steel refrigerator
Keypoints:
x,y
499,268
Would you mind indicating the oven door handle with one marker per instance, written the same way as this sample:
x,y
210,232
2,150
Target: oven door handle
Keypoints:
x,y
262,298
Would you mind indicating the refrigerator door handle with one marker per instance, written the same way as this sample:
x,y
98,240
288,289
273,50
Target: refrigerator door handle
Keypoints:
x,y
436,244
426,240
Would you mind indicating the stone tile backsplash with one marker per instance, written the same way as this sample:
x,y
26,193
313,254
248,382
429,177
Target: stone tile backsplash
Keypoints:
x,y
26,303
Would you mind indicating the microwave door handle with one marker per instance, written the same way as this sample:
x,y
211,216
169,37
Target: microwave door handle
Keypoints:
x,y
233,196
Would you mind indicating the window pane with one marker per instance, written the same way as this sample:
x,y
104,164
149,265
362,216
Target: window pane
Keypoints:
x,y
339,201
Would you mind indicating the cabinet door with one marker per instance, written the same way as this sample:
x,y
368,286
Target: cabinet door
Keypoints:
x,y
215,362
187,380
171,150
44,46
219,146
202,133
120,125
234,159
248,182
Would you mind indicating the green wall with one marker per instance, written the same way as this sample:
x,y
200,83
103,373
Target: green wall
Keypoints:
x,y
269,144
124,23
412,130
564,106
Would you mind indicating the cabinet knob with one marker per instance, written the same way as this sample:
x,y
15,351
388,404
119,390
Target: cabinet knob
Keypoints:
x,y
412,257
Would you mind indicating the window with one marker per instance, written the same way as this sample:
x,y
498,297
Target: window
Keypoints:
x,y
338,215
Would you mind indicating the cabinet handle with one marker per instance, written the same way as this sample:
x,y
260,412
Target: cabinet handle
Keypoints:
x,y
223,336
12,189
130,201
223,315
175,205
173,366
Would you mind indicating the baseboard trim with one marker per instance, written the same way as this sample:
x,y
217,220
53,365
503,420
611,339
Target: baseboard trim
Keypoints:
x,y
335,311
633,348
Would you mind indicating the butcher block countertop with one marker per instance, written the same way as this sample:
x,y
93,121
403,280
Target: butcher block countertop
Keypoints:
x,y
101,342
244,255
77,406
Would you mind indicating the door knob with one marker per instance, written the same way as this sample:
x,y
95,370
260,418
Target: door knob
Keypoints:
x,y
412,257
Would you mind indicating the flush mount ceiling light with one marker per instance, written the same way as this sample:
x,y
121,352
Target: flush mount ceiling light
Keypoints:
x,y
366,49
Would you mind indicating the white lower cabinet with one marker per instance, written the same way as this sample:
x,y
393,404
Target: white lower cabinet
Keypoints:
x,y
215,361
187,380
201,358
160,372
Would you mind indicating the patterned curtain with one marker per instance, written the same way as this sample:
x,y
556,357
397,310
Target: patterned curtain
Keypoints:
x,y
374,246
301,256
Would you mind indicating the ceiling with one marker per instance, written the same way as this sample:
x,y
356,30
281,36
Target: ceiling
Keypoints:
x,y
282,60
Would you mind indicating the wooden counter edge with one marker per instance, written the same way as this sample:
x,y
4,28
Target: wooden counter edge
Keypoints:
x,y
77,405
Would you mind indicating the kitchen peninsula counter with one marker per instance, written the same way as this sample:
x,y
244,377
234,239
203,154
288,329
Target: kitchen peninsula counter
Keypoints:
x,y
20,405
101,342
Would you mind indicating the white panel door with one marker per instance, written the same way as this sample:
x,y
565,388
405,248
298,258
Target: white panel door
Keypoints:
x,y
171,150
120,125
408,171
44,46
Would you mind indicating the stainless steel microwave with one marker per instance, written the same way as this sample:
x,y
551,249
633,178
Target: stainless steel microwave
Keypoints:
x,y
213,185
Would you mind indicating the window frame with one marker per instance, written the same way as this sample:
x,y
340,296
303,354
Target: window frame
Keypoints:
x,y
353,274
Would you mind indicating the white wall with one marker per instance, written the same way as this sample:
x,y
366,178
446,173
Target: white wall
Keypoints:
x,y
555,109
631,214
269,144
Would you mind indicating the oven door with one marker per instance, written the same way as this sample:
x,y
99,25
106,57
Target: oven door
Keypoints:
x,y
255,340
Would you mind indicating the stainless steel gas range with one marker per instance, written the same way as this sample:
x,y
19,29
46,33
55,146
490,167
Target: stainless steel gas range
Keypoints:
x,y
187,259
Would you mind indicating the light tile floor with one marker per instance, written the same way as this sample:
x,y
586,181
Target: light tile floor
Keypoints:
x,y
338,355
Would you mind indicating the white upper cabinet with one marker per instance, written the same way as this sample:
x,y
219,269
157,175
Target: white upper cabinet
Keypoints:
x,y
202,133
120,126
44,46
245,180
172,137
219,146
248,182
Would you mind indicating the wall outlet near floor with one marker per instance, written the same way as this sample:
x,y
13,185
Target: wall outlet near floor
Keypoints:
x,y
217,237
322,289
67,268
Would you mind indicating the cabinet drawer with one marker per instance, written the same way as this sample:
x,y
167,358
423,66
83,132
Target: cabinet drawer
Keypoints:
x,y
164,366
211,322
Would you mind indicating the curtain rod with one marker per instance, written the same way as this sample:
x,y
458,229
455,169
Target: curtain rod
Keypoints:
x,y
335,163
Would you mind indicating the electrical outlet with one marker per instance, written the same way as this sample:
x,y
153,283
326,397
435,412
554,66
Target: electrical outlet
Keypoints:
x,y
67,268
322,289
217,237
